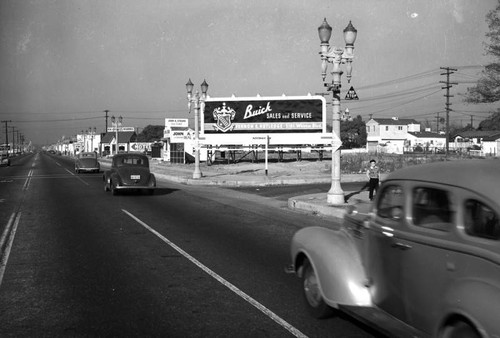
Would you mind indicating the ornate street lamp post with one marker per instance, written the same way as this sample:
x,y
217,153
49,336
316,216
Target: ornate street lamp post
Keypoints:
x,y
83,137
199,103
116,122
92,133
336,56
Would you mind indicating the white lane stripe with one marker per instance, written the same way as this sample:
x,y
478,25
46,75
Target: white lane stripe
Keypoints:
x,y
72,174
221,280
6,253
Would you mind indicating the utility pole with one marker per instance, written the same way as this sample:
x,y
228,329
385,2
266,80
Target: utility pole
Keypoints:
x,y
6,133
13,141
437,123
106,111
448,84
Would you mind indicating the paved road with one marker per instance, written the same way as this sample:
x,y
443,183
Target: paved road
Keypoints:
x,y
186,262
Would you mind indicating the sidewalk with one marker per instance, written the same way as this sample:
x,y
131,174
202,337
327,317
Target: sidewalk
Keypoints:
x,y
254,175
281,173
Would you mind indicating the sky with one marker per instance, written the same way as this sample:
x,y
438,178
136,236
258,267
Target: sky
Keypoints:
x,y
63,62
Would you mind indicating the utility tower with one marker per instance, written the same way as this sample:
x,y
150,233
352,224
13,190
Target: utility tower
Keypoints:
x,y
447,86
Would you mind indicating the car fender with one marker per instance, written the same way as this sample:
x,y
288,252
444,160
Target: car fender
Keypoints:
x,y
337,263
476,300
115,177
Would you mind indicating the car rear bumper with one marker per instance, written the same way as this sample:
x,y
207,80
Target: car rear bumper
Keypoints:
x,y
88,169
134,187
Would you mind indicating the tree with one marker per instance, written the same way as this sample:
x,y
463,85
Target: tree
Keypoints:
x,y
491,123
457,129
151,133
353,133
487,89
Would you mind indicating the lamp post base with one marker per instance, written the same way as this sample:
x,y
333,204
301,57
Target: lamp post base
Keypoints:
x,y
335,195
335,199
197,173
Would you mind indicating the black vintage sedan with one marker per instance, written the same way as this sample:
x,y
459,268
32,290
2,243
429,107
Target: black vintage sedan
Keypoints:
x,y
129,171
87,162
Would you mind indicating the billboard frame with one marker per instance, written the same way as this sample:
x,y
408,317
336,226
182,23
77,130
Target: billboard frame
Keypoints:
x,y
278,137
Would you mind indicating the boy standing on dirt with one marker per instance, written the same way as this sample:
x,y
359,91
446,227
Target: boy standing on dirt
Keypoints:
x,y
373,174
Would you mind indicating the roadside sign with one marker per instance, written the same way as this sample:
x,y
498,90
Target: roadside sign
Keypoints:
x,y
351,94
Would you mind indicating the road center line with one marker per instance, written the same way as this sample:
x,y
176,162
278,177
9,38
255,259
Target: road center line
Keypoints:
x,y
28,180
8,235
221,280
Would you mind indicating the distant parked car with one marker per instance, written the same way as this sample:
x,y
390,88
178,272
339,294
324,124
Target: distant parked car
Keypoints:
x,y
129,171
424,260
87,161
5,160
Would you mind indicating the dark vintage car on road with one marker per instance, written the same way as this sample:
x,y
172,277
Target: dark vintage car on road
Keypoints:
x,y
87,162
423,261
129,171
4,160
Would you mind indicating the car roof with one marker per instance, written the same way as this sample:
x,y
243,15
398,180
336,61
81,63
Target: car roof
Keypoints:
x,y
482,176
129,155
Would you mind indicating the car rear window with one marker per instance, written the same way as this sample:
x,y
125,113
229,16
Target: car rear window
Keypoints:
x,y
481,220
432,208
132,161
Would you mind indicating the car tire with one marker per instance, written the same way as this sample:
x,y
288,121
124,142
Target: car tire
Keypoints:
x,y
460,329
312,294
114,191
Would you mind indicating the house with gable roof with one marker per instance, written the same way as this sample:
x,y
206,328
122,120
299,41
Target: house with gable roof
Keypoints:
x,y
109,142
389,135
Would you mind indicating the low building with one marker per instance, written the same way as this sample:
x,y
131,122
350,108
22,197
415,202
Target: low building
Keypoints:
x,y
491,145
110,145
475,140
389,134
425,141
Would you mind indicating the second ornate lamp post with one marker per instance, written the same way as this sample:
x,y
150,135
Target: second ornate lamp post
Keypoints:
x,y
84,143
336,56
116,122
199,104
92,134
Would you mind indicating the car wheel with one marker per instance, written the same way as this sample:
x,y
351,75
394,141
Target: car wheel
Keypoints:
x,y
460,330
114,191
312,294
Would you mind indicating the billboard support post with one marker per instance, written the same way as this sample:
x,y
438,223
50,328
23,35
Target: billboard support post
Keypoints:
x,y
267,150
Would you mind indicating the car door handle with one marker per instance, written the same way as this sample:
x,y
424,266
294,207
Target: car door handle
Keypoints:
x,y
401,246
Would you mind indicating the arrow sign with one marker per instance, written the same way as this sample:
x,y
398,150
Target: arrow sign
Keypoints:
x,y
351,94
